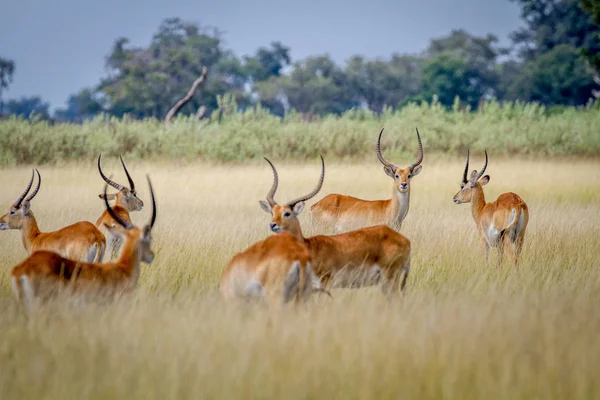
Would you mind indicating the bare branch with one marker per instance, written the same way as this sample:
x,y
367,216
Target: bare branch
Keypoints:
x,y
186,98
200,113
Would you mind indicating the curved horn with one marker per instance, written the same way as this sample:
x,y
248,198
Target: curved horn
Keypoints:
x,y
465,179
480,174
314,192
107,180
126,225
37,188
131,184
271,193
420,156
17,203
379,155
153,218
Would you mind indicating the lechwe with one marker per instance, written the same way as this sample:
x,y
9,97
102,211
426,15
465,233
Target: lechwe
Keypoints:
x,y
501,223
126,200
363,257
346,212
81,241
277,268
43,272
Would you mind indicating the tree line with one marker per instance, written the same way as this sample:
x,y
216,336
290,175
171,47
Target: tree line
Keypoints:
x,y
553,60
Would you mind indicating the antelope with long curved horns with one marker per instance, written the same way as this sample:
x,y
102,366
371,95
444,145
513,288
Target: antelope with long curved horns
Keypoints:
x,y
501,223
81,241
43,272
363,257
126,200
344,212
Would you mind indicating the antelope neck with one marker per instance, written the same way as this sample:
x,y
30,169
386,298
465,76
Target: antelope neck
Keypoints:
x,y
29,231
399,209
477,202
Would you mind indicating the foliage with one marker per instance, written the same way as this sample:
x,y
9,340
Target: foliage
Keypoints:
x,y
379,83
7,70
550,23
230,135
317,86
559,76
147,81
81,106
28,107
592,50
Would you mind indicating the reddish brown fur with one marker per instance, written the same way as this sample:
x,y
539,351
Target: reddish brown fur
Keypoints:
x,y
81,241
348,257
343,212
126,200
346,212
501,223
45,269
265,266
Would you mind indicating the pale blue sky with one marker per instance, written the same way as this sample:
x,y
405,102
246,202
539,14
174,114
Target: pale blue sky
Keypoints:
x,y
59,46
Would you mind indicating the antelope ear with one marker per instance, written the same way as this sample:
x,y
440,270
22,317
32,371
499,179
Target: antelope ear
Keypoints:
x,y
114,229
389,171
266,206
111,196
26,206
298,207
416,170
484,180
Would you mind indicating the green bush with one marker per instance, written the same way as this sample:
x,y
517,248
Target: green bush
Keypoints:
x,y
230,136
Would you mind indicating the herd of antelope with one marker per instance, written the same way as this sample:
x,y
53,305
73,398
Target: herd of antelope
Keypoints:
x,y
286,266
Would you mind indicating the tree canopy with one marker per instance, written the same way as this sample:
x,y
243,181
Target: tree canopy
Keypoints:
x,y
553,60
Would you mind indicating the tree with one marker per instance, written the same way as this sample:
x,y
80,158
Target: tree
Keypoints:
x,y
28,107
148,81
448,76
267,62
550,23
83,105
478,57
380,83
592,50
317,86
556,31
7,70
559,76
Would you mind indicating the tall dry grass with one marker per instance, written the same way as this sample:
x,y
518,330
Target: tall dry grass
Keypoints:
x,y
465,329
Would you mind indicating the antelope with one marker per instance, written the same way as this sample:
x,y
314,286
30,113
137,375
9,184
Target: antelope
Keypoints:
x,y
277,268
501,223
343,212
81,241
358,258
43,271
126,200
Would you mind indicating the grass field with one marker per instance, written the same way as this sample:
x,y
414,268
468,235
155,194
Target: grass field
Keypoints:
x,y
464,330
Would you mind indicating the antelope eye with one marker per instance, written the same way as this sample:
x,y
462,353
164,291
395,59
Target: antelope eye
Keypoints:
x,y
287,214
397,176
12,212
409,176
462,185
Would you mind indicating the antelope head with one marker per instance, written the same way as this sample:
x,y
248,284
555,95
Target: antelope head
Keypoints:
x,y
125,229
20,208
401,176
475,182
127,197
285,217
